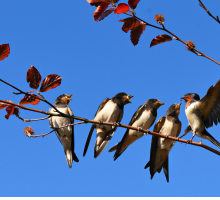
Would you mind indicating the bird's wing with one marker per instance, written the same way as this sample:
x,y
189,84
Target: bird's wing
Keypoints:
x,y
107,138
154,145
133,119
179,129
51,123
70,112
50,119
93,126
102,105
137,114
159,124
209,106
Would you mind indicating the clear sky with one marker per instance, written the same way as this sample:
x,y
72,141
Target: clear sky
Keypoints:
x,y
98,60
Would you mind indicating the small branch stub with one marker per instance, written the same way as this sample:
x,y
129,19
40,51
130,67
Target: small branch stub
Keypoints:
x,y
28,131
159,19
190,45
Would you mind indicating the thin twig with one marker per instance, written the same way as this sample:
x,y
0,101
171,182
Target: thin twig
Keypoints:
x,y
34,136
120,125
177,38
40,95
22,92
32,120
210,14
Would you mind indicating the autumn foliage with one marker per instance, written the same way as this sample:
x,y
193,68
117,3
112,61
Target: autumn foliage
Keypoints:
x,y
34,79
136,26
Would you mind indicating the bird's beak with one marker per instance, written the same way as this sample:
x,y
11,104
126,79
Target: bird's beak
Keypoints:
x,y
69,97
160,103
129,97
178,106
183,98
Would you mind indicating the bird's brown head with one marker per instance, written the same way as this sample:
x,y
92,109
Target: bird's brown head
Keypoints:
x,y
63,99
191,96
174,110
124,97
157,103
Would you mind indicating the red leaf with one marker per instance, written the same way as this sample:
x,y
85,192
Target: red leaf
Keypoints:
x,y
133,3
136,33
4,105
100,10
33,77
98,2
4,51
121,8
105,14
129,23
50,82
10,111
30,99
160,39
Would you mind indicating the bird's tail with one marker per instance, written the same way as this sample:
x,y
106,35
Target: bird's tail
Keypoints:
x,y
99,148
70,156
114,148
211,138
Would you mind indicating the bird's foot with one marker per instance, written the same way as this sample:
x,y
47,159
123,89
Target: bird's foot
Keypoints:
x,y
167,135
189,141
116,123
100,122
139,129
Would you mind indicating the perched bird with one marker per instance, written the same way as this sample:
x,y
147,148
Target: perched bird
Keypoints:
x,y
66,134
170,125
201,113
110,110
144,117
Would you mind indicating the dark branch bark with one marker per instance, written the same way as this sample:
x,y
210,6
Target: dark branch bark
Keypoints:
x,y
210,14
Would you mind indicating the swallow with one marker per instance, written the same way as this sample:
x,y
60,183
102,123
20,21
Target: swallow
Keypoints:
x,y
201,113
143,118
66,134
110,110
168,125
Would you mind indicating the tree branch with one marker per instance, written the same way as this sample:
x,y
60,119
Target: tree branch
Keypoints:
x,y
32,120
34,136
113,124
196,51
210,14
177,38
41,99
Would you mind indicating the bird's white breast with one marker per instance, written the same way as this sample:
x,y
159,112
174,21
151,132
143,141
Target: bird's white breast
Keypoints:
x,y
109,113
62,121
144,121
169,128
194,117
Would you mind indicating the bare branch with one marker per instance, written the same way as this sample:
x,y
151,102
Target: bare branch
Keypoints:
x,y
199,53
34,136
22,92
32,120
210,14
113,124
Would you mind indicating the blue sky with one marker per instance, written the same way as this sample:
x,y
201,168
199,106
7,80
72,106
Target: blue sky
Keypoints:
x,y
97,60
